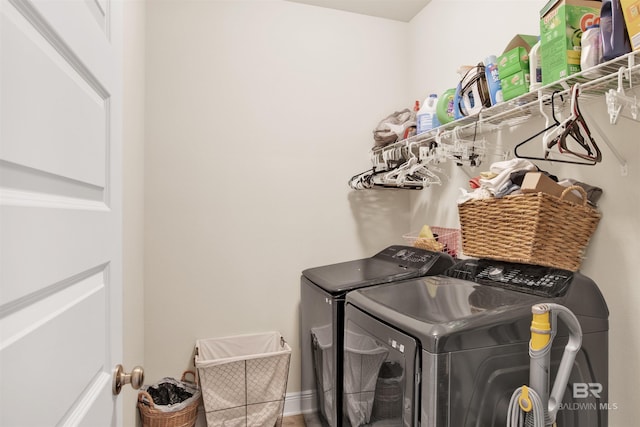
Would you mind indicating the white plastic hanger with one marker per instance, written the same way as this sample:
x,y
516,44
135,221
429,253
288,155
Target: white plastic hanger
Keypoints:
x,y
617,100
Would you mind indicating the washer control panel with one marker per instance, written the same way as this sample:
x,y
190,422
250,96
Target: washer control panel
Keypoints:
x,y
532,279
408,257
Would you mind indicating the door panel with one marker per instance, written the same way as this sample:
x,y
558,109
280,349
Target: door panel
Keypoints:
x,y
60,212
36,235
46,339
48,100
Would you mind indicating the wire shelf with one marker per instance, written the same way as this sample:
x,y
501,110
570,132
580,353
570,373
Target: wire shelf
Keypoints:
x,y
594,84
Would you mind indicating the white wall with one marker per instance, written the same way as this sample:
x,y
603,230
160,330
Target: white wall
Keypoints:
x,y
133,198
258,113
613,252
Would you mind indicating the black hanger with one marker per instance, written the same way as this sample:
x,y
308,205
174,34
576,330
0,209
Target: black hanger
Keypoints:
x,y
577,128
573,128
532,137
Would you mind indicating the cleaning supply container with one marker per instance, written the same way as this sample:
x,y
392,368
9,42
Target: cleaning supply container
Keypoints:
x,y
535,68
243,378
426,118
444,109
591,50
493,79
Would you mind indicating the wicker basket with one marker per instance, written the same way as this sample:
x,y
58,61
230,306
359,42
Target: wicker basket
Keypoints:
x,y
152,417
534,228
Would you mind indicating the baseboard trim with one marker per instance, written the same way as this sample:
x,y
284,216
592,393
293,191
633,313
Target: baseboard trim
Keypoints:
x,y
298,402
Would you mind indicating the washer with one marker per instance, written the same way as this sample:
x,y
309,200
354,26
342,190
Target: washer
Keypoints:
x,y
455,347
323,291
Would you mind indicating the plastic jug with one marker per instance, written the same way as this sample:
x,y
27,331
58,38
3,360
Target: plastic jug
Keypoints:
x,y
535,67
493,79
445,109
591,49
615,40
426,117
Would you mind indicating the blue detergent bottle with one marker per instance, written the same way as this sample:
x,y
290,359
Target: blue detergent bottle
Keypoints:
x,y
426,118
615,40
493,79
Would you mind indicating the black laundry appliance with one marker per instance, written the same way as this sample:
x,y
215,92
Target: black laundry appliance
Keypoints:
x,y
450,350
323,291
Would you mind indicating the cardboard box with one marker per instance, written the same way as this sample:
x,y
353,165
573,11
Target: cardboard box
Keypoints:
x,y
524,41
537,182
631,12
515,85
516,59
562,23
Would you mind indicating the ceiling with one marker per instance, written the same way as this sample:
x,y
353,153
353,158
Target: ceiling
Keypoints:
x,y
399,10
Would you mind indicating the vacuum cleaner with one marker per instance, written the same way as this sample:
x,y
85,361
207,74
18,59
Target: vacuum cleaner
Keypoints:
x,y
533,406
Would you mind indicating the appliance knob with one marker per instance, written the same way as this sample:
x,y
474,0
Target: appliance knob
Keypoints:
x,y
496,273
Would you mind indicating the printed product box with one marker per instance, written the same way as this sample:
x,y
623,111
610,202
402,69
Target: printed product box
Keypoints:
x,y
512,61
562,23
515,85
631,12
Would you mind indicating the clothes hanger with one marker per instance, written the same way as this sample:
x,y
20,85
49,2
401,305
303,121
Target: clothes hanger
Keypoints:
x,y
362,180
575,127
553,134
464,151
546,129
421,172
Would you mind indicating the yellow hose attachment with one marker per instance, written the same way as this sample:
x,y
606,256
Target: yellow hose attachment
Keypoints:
x,y
540,327
524,401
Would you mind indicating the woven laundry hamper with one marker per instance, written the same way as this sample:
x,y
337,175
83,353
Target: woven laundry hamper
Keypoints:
x,y
533,228
179,415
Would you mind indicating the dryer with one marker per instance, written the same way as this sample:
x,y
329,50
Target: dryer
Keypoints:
x,y
323,291
456,346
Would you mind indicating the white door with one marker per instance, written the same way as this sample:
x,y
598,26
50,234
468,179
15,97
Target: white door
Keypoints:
x,y
60,212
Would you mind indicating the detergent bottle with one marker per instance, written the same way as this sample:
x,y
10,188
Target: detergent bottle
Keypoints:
x,y
426,117
493,79
445,107
615,40
591,49
535,67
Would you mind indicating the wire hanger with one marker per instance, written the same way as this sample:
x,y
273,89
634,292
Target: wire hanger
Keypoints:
x,y
537,134
556,133
575,127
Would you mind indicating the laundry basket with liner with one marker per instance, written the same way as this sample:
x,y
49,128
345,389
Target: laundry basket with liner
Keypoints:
x,y
169,402
243,379
321,339
363,358
532,228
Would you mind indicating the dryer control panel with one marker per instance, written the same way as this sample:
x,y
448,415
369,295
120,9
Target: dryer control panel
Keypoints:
x,y
532,279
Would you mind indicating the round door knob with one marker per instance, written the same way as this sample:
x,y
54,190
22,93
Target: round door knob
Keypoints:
x,y
120,378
